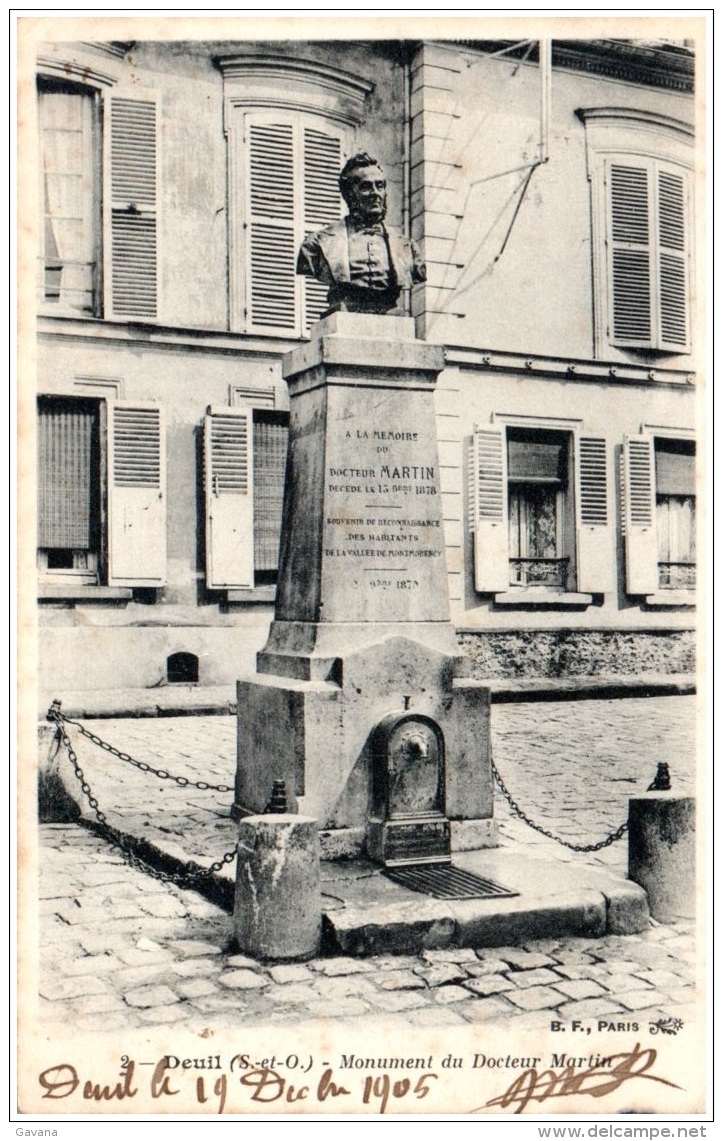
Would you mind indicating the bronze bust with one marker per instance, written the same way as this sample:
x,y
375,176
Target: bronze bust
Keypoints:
x,y
365,264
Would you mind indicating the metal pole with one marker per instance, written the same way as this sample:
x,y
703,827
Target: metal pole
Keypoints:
x,y
545,88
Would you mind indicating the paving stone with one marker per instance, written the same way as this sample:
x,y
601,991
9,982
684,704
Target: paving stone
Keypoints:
x,y
534,998
290,973
163,908
97,1004
451,993
524,960
617,966
397,962
441,973
228,1002
193,948
196,988
131,977
450,955
137,957
399,1000
489,984
434,1016
580,988
542,976
572,957
400,980
197,968
488,1010
641,999
342,966
660,979
92,965
344,1008
243,980
243,961
340,986
295,993
57,988
621,984
147,996
591,1008
489,966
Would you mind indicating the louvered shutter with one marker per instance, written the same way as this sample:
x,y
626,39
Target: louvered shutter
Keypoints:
x,y
131,128
630,252
322,159
488,510
673,260
136,494
228,466
270,224
594,551
641,544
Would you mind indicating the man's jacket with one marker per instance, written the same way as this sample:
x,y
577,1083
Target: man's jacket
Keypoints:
x,y
325,256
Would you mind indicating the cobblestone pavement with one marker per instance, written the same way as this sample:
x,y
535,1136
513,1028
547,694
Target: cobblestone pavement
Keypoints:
x,y
120,949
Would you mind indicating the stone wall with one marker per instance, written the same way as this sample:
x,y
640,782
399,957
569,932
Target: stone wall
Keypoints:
x,y
578,653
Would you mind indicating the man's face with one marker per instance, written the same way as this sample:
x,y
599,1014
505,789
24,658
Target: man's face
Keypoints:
x,y
368,193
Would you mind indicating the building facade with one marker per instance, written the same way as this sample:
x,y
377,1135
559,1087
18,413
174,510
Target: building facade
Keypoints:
x,y
551,188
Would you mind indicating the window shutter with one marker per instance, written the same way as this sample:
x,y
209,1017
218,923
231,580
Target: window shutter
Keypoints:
x,y
271,231
673,264
65,494
594,552
322,158
630,255
488,510
228,460
132,198
136,494
641,545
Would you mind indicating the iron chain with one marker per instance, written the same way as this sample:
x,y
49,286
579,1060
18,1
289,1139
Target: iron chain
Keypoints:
x,y
162,774
192,873
612,838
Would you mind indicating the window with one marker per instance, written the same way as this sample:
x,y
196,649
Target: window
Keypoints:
x,y
659,488
538,508
648,250
292,166
245,467
69,123
539,513
98,233
290,125
101,503
639,165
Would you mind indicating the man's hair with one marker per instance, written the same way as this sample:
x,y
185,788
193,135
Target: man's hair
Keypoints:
x,y
356,162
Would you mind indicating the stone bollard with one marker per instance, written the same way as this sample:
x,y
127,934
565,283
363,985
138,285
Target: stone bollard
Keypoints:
x,y
661,853
58,790
277,907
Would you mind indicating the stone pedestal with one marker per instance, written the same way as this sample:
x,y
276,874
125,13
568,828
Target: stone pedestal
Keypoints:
x,y
277,907
661,853
361,627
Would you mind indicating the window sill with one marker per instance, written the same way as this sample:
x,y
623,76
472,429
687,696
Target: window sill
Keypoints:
x,y
671,598
84,593
252,594
536,597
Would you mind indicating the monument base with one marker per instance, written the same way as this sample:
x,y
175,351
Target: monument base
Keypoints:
x,y
316,735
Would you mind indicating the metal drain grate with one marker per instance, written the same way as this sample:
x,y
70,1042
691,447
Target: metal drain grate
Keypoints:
x,y
445,881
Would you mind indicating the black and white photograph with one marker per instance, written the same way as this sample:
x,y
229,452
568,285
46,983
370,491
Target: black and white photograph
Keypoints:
x,y
362,764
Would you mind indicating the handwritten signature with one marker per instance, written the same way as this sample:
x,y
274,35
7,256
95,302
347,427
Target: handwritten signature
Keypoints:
x,y
595,1082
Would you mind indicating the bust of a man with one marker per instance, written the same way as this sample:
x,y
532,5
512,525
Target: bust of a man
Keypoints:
x,y
365,264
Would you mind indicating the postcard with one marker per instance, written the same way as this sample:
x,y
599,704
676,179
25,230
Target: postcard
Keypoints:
x,y
361,391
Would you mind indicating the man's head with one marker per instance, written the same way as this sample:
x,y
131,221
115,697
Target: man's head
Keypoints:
x,y
364,188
